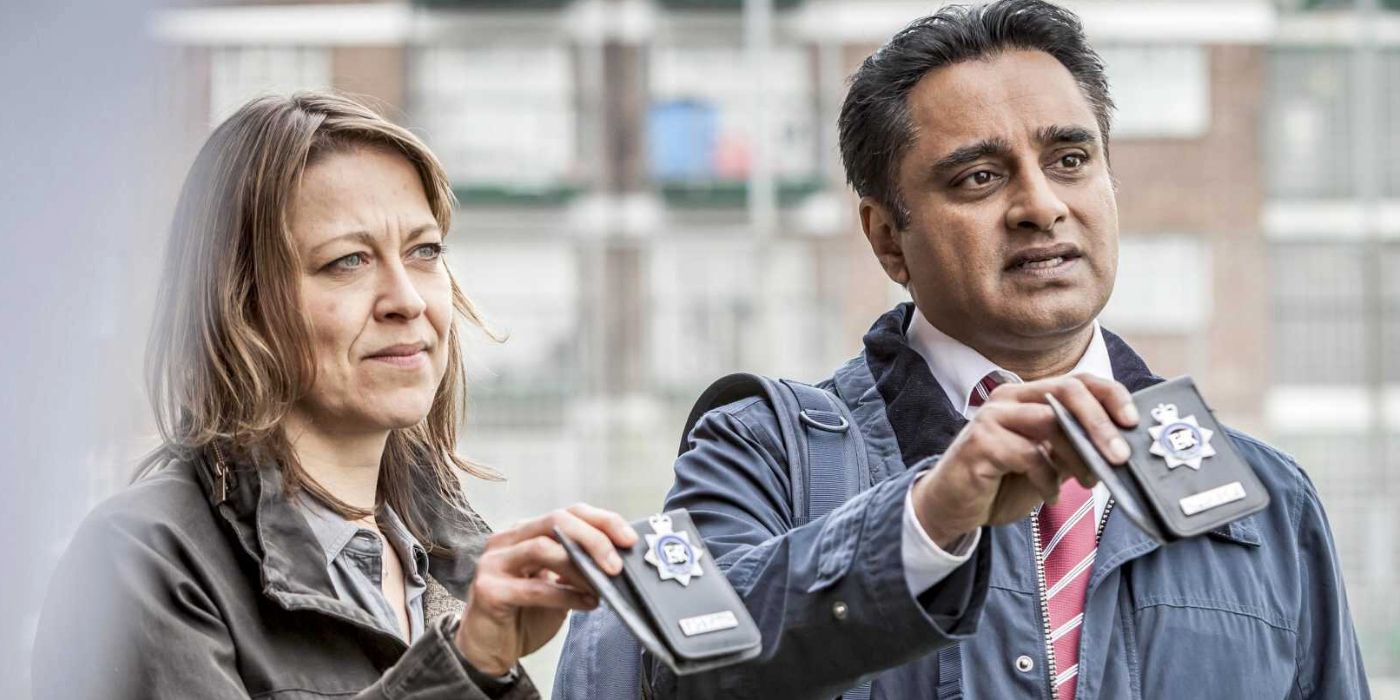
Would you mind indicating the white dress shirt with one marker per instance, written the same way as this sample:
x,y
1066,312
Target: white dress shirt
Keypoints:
x,y
958,368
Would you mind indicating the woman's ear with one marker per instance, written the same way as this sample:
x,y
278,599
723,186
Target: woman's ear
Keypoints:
x,y
878,222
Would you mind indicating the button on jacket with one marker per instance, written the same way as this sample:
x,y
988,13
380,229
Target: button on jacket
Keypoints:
x,y
1256,609
165,595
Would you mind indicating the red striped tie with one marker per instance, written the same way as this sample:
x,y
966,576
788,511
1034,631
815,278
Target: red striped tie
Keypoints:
x,y
983,390
1067,546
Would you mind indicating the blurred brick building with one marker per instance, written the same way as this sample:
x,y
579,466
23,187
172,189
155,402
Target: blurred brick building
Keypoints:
x,y
651,197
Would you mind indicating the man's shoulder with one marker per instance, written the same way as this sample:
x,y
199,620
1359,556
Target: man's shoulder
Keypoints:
x,y
1291,491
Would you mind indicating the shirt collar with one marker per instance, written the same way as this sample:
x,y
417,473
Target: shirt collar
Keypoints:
x,y
334,532
958,368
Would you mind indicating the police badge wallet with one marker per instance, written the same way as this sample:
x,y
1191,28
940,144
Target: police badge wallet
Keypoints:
x,y
673,597
1184,477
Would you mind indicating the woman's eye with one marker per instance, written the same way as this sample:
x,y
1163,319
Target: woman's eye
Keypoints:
x,y
431,251
348,262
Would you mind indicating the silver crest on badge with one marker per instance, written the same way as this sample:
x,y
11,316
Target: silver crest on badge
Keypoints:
x,y
1180,441
672,553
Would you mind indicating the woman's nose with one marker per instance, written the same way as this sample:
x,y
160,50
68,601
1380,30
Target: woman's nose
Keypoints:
x,y
398,295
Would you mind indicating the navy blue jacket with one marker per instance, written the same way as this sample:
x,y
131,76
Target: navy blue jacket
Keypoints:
x,y
1255,609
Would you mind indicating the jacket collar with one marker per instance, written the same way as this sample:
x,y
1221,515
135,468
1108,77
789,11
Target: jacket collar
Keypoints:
x,y
924,420
272,530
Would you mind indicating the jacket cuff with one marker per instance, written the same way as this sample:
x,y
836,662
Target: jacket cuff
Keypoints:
x,y
953,606
433,663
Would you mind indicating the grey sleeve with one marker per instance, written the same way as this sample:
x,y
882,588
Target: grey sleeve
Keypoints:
x,y
433,667
126,620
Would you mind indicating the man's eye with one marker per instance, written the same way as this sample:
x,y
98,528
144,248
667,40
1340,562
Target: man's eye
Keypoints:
x,y
1072,161
981,178
348,262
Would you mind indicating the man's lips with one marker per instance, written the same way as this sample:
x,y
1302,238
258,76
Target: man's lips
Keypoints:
x,y
1043,258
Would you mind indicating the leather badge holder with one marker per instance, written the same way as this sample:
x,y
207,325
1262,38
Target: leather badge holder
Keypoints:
x,y
673,597
1184,477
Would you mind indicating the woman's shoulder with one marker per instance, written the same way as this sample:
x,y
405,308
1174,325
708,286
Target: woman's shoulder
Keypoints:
x,y
165,509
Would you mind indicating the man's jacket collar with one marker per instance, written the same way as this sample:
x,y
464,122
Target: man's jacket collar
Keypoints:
x,y
918,410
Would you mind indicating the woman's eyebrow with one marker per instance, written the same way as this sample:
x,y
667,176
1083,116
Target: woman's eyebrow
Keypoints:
x,y
367,238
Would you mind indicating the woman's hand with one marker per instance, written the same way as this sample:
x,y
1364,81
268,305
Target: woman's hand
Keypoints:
x,y
525,584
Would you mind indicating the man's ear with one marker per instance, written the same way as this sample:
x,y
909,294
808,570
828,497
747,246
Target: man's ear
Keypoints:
x,y
878,222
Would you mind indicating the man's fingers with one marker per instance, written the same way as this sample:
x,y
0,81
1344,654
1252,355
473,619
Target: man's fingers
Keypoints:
x,y
1067,461
1114,396
1017,455
1033,421
1090,413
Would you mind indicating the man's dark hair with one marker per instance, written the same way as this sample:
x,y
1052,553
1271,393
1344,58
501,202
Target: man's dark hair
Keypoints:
x,y
875,126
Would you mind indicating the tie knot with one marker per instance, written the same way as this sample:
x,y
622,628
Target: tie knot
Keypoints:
x,y
983,389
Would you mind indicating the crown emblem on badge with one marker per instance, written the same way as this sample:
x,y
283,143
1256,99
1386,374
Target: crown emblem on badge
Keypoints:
x,y
1180,441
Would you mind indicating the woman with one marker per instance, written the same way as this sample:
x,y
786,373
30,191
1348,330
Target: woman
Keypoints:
x,y
302,531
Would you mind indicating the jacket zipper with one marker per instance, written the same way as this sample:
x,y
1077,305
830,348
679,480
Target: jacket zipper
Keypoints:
x,y
1041,587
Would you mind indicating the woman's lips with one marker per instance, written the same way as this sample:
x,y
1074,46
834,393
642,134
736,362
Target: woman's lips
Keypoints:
x,y
401,359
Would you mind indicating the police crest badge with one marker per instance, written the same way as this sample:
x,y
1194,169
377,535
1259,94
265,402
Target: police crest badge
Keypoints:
x,y
672,596
672,553
1180,441
1162,499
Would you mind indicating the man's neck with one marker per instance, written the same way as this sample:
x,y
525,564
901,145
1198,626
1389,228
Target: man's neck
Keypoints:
x,y
344,464
1053,360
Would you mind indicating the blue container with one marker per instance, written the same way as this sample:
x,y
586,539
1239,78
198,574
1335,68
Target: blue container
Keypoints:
x,y
681,137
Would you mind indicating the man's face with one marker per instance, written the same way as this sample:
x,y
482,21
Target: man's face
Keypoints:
x,y
1012,239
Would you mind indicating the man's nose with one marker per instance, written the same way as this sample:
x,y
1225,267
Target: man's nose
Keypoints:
x,y
398,295
1036,206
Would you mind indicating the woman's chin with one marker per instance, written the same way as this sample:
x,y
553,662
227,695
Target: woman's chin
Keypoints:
x,y
395,415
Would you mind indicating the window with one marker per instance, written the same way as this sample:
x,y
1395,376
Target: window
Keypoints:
x,y
240,73
705,322
1146,301
499,117
1160,91
1309,151
1320,315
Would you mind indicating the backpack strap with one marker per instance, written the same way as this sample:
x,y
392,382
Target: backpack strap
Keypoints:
x,y
815,429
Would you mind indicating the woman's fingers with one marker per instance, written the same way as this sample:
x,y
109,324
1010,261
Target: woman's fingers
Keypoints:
x,y
593,529
535,592
528,557
609,522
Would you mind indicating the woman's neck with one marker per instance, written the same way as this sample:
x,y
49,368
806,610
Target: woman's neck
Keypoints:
x,y
344,464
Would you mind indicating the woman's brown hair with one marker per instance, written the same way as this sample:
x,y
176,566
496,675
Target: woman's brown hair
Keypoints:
x,y
230,352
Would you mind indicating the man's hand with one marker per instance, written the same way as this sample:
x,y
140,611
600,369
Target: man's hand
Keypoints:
x,y
1012,455
525,584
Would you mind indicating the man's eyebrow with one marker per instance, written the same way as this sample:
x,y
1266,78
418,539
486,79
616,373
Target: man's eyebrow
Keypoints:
x,y
971,153
1059,134
367,238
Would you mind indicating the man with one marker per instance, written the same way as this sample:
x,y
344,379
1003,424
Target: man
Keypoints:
x,y
977,140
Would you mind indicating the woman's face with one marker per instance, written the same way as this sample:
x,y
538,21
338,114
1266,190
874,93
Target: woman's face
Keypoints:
x,y
374,290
